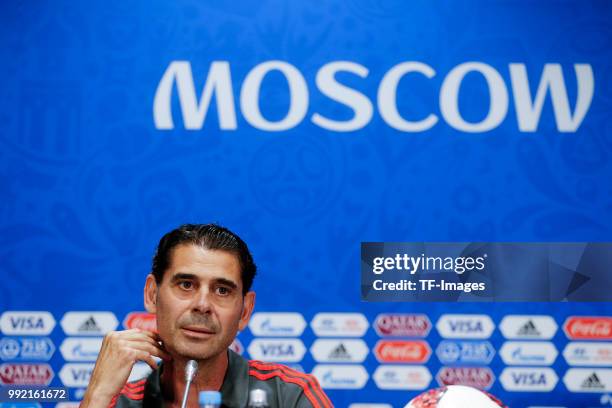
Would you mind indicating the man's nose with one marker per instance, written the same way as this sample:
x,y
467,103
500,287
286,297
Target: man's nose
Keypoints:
x,y
202,301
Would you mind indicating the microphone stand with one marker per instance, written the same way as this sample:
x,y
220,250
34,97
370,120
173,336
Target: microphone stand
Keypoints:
x,y
190,370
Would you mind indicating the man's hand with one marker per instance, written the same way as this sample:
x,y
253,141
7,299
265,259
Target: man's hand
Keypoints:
x,y
119,351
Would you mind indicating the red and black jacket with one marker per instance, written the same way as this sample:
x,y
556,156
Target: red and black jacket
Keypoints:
x,y
285,387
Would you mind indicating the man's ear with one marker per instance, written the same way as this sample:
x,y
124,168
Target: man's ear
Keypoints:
x,y
247,309
150,294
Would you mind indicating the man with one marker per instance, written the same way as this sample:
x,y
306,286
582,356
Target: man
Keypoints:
x,y
199,290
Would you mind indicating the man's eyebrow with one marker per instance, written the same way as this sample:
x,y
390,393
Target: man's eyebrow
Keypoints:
x,y
183,276
226,282
190,276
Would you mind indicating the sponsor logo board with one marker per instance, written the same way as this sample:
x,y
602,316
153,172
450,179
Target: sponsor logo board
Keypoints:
x,y
477,377
139,371
282,350
78,393
588,379
26,348
76,374
339,350
465,352
528,379
528,327
465,326
81,348
237,346
398,377
141,320
588,327
339,324
540,353
369,405
277,324
25,374
332,376
88,323
296,367
579,353
402,325
402,351
27,323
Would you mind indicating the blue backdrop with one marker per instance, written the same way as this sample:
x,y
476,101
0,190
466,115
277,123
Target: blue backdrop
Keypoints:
x,y
90,183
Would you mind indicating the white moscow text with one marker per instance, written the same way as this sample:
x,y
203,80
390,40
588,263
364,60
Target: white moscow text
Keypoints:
x,y
218,83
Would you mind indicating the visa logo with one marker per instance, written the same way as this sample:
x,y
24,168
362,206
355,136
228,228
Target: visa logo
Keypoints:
x,y
27,323
529,379
80,375
277,350
466,326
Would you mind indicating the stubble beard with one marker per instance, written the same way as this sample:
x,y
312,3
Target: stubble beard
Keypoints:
x,y
184,347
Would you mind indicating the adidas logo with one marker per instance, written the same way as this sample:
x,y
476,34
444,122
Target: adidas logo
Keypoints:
x,y
592,381
529,329
89,326
339,353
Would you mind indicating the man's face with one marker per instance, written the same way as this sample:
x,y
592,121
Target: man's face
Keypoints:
x,y
199,303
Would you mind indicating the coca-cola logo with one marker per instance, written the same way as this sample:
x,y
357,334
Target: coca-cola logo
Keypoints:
x,y
28,374
141,320
478,377
388,351
588,328
402,325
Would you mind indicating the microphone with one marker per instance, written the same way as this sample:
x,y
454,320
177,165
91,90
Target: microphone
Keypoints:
x,y
190,371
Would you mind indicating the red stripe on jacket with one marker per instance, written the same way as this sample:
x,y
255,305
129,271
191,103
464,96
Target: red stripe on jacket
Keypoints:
x,y
307,382
133,391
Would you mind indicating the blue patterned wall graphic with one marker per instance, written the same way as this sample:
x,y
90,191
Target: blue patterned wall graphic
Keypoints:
x,y
89,183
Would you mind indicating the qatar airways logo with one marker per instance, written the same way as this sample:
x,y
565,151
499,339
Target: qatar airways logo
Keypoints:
x,y
218,83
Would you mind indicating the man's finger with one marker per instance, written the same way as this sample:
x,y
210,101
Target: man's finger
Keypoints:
x,y
140,346
160,352
147,358
155,348
132,334
163,354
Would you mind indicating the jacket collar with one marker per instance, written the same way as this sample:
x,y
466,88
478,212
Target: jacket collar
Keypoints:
x,y
234,390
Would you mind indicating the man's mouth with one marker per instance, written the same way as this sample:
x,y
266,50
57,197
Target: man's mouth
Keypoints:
x,y
197,331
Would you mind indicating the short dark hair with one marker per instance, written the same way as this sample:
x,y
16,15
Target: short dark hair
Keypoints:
x,y
209,236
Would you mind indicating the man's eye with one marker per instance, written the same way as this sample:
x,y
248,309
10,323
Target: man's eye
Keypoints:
x,y
185,285
223,291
